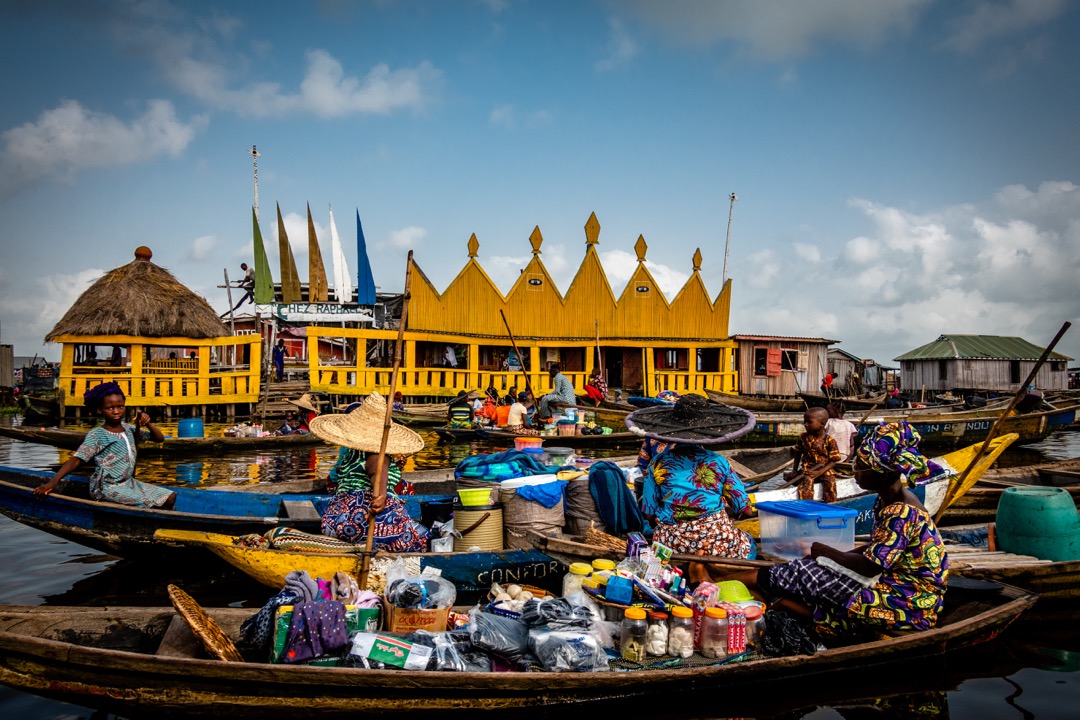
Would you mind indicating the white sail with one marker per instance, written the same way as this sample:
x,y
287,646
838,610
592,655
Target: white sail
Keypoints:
x,y
342,280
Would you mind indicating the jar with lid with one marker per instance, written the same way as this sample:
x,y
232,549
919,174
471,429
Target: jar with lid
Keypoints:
x,y
571,582
656,634
633,634
603,566
714,632
681,632
755,625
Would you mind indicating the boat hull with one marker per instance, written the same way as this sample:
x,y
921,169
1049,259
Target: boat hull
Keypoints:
x,y
220,445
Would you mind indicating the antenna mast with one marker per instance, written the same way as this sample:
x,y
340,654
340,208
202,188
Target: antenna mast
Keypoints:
x,y
727,243
255,173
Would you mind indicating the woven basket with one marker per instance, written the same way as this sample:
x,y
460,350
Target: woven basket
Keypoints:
x,y
213,638
596,537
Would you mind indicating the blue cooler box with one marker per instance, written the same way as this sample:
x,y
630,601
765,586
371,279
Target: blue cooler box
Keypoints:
x,y
790,527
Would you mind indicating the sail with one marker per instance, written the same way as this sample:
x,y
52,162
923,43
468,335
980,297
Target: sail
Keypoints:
x,y
342,280
290,280
264,282
317,290
365,283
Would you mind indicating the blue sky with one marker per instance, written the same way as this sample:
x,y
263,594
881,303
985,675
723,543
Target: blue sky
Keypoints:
x,y
904,168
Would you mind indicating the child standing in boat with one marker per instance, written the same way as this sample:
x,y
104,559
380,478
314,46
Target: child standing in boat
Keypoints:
x,y
112,447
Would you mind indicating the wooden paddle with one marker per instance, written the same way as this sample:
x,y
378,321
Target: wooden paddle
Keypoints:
x,y
958,486
521,358
378,487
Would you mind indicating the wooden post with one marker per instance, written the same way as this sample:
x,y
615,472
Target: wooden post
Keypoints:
x,y
378,489
958,484
521,359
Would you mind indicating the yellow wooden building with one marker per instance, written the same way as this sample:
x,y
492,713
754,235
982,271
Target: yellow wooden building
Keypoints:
x,y
457,340
164,345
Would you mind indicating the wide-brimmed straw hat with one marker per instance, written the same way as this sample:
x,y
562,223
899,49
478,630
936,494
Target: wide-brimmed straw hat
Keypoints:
x,y
692,419
362,429
305,402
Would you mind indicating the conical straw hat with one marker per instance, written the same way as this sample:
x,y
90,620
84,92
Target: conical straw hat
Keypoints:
x,y
305,402
362,429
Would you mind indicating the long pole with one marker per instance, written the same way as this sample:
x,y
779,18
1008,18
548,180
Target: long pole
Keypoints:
x,y
521,358
599,355
955,487
378,486
255,175
727,242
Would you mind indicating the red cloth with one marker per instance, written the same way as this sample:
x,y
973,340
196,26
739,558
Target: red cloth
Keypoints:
x,y
593,393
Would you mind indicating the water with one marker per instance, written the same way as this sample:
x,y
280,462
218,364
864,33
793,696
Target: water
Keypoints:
x,y
1032,671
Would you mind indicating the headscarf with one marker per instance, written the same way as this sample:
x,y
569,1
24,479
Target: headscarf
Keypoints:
x,y
894,447
94,397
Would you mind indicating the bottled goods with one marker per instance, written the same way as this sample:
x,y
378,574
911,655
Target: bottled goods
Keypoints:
x,y
755,623
657,634
633,634
681,632
714,633
571,582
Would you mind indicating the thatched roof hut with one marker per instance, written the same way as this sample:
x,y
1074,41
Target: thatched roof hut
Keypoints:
x,y
140,299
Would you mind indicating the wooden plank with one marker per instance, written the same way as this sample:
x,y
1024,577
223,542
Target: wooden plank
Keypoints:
x,y
179,641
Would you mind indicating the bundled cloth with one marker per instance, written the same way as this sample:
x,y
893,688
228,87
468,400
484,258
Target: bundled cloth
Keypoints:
x,y
317,629
501,466
616,504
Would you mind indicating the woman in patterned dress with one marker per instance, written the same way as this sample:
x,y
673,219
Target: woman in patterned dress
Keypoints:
x,y
896,581
111,446
349,513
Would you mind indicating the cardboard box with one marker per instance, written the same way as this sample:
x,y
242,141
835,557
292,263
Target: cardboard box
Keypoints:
x,y
402,620
356,620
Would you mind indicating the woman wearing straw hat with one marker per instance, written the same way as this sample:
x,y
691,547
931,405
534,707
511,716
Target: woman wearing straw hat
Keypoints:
x,y
690,492
308,411
346,517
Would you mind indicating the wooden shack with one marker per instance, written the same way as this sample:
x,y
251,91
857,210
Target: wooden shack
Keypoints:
x,y
980,363
777,366
164,345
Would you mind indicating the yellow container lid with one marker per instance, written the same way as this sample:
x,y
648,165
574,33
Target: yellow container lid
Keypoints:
x,y
715,612
603,564
580,568
682,612
635,613
590,583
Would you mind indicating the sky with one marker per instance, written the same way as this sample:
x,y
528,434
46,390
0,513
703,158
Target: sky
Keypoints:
x,y
903,168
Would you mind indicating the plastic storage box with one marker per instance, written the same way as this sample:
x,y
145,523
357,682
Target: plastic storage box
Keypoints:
x,y
790,527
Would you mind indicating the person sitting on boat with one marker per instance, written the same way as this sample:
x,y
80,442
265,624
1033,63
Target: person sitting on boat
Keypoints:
x,y
842,431
346,517
690,492
596,388
290,425
816,454
399,401
112,447
563,391
894,400
518,420
459,414
307,412
897,581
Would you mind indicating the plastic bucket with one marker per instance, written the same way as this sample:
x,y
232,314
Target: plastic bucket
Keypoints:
x,y
477,530
1039,521
190,428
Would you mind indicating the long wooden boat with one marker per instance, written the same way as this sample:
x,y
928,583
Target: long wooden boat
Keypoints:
x,y
39,408
1059,473
128,531
471,572
218,445
758,404
137,662
970,556
497,437
851,402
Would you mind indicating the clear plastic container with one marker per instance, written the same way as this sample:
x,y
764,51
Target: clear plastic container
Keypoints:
x,y
633,634
571,582
681,632
714,633
656,634
755,625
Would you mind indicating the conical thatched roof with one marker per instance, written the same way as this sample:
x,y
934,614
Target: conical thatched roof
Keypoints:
x,y
142,299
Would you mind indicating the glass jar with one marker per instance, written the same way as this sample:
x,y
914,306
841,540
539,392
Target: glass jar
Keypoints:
x,y
755,625
681,632
571,582
657,634
633,634
714,632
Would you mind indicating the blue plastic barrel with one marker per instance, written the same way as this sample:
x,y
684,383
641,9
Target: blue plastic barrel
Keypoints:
x,y
190,428
1039,521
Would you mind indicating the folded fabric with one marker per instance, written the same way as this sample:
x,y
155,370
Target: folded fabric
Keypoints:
x,y
316,629
548,494
302,585
513,464
345,589
258,629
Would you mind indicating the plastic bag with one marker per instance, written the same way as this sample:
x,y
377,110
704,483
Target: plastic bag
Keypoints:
x,y
417,592
784,636
451,651
556,614
567,651
377,651
505,637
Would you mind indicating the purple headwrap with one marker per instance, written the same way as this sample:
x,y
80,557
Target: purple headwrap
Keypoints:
x,y
93,397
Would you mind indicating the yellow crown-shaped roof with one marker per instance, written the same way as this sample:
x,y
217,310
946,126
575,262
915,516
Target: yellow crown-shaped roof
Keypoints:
x,y
535,309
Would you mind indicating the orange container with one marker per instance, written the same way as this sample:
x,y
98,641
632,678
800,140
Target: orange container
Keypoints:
x,y
523,444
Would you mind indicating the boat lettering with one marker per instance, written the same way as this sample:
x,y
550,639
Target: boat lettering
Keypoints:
x,y
864,516
518,573
979,425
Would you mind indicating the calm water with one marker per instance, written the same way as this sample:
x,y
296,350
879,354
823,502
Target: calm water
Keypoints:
x,y
1031,672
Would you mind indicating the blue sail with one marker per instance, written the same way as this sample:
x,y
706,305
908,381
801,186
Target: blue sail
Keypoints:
x,y
365,284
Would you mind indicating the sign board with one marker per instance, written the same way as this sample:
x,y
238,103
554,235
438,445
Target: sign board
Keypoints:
x,y
317,312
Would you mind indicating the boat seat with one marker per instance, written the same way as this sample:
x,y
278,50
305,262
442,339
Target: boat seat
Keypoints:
x,y
179,641
740,469
300,510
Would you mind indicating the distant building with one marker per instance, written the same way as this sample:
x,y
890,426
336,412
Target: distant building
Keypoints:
x,y
966,363
856,375
779,366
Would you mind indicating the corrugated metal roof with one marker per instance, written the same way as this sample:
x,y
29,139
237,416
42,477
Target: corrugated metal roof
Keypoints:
x,y
979,347
782,338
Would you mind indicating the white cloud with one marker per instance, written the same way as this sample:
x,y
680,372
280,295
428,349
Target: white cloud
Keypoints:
x,y
70,137
621,47
809,253
502,116
507,116
202,246
990,21
765,266
777,30
408,238
34,314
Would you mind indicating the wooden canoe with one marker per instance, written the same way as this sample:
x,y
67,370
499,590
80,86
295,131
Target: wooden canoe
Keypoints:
x,y
219,445
1059,580
120,660
128,531
758,404
471,572
1061,473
